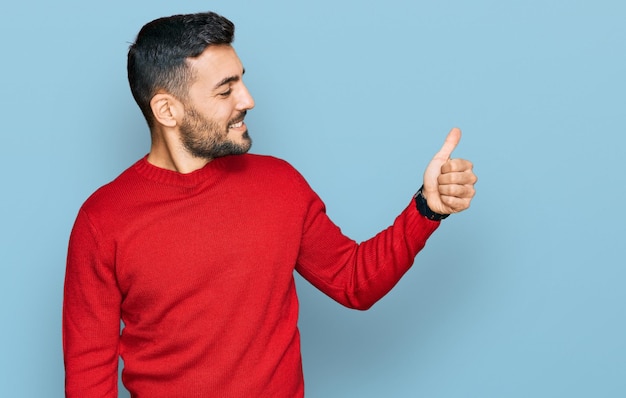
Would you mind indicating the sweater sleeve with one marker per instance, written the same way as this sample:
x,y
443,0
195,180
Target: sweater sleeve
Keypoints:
x,y
91,315
358,275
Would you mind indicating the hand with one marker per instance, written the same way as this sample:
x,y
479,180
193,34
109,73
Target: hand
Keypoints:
x,y
449,183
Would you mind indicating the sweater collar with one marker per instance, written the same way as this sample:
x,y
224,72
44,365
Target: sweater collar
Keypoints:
x,y
212,171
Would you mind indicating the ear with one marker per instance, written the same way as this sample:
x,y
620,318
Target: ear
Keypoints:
x,y
167,110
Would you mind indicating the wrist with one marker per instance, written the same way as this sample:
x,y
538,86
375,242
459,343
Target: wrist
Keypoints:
x,y
423,209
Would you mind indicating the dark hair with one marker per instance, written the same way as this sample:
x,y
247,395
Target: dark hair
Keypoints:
x,y
157,59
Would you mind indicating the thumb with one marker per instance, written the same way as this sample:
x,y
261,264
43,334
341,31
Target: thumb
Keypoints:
x,y
452,140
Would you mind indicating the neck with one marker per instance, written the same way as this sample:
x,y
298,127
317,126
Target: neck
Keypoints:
x,y
167,152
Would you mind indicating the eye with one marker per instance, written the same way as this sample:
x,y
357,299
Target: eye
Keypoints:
x,y
225,93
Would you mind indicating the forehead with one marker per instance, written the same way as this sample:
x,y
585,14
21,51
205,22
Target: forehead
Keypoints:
x,y
215,64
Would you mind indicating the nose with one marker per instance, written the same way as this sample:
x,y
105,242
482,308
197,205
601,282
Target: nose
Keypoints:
x,y
245,100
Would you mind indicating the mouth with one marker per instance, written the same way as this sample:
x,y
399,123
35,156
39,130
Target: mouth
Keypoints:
x,y
236,125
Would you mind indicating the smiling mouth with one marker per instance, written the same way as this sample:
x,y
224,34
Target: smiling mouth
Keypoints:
x,y
239,121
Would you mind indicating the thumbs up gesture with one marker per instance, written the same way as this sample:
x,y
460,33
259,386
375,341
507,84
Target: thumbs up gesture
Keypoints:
x,y
449,183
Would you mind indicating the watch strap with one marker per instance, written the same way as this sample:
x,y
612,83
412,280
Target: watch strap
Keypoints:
x,y
424,210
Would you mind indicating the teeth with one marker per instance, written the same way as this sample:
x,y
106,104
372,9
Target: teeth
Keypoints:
x,y
236,125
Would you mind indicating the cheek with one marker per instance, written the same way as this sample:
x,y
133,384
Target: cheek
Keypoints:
x,y
221,118
219,110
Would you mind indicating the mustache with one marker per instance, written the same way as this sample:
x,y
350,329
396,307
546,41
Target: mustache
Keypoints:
x,y
238,118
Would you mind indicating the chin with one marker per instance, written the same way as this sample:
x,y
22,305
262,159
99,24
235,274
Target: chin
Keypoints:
x,y
246,141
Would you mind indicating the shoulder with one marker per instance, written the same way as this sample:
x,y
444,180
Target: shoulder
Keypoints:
x,y
265,161
114,193
261,165
268,172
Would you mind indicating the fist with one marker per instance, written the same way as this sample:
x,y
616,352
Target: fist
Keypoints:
x,y
449,183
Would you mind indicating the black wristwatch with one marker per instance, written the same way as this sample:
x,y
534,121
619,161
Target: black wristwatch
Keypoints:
x,y
422,207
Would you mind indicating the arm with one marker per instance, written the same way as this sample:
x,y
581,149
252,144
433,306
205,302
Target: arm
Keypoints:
x,y
358,275
91,316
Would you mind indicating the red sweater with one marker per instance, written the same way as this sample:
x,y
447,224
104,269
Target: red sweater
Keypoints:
x,y
199,267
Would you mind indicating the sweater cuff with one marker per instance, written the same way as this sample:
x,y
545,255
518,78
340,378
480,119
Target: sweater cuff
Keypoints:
x,y
417,225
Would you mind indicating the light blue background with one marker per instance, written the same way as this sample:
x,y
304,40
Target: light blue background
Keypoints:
x,y
521,296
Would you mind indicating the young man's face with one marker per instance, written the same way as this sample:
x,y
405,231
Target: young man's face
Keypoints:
x,y
216,105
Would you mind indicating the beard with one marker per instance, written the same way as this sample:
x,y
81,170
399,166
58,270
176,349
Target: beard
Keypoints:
x,y
205,138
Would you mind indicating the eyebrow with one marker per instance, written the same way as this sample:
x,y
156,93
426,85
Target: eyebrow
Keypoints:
x,y
228,79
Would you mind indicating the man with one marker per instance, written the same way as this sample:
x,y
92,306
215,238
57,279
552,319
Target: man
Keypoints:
x,y
194,246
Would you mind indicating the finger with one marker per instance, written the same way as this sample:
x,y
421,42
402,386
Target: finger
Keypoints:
x,y
456,204
457,191
457,165
452,140
457,179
